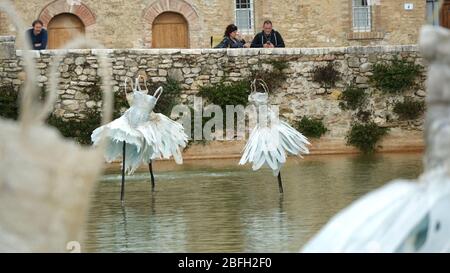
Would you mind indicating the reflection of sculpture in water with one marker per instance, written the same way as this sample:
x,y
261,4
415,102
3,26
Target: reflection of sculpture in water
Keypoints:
x,y
45,180
406,216
125,228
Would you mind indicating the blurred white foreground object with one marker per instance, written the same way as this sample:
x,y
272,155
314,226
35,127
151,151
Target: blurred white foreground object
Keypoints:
x,y
45,180
406,215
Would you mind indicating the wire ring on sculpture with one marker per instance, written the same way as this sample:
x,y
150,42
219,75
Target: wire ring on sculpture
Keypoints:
x,y
138,83
252,86
158,93
125,85
261,83
264,85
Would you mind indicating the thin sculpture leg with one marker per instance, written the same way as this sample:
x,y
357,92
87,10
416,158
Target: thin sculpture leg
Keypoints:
x,y
280,183
122,189
150,168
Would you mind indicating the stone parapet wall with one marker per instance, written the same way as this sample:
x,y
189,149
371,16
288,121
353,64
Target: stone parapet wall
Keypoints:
x,y
297,96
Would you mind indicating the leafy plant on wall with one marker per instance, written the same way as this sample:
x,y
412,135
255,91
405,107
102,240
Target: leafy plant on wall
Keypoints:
x,y
327,76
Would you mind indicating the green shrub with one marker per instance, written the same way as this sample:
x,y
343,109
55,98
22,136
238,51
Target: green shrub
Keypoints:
x,y
363,116
223,94
273,77
409,109
395,77
120,103
81,130
366,136
169,98
8,102
326,75
278,65
95,93
311,127
352,98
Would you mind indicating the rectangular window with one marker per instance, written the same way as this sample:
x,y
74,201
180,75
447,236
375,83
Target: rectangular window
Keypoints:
x,y
362,17
432,8
244,16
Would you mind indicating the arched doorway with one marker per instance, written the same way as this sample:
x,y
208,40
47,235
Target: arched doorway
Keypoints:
x,y
62,28
445,14
170,30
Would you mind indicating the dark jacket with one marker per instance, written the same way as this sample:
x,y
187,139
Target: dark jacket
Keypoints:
x,y
274,37
227,42
41,38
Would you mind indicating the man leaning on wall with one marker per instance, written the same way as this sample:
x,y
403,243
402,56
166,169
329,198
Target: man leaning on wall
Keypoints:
x,y
38,35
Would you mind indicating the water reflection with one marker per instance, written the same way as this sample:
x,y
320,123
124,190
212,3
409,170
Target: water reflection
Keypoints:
x,y
216,206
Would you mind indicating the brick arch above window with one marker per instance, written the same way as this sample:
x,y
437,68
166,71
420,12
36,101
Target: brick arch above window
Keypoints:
x,y
63,6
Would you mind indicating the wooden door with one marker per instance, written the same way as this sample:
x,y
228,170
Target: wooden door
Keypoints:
x,y
170,30
63,28
445,14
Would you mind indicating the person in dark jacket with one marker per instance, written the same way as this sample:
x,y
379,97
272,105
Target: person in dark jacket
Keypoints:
x,y
38,35
231,38
268,38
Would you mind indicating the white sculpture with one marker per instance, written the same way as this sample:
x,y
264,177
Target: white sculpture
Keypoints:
x,y
140,135
45,180
272,139
406,215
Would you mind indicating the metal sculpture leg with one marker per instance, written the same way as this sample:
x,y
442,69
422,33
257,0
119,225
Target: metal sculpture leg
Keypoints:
x,y
122,189
280,183
150,168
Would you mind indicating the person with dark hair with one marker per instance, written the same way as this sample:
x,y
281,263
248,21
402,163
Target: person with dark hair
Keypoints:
x,y
231,38
268,38
38,35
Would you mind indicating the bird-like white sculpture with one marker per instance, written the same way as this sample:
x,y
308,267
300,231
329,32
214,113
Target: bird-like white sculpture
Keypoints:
x,y
140,135
406,215
272,139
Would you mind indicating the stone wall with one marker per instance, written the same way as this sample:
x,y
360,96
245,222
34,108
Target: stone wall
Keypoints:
x,y
298,96
306,23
